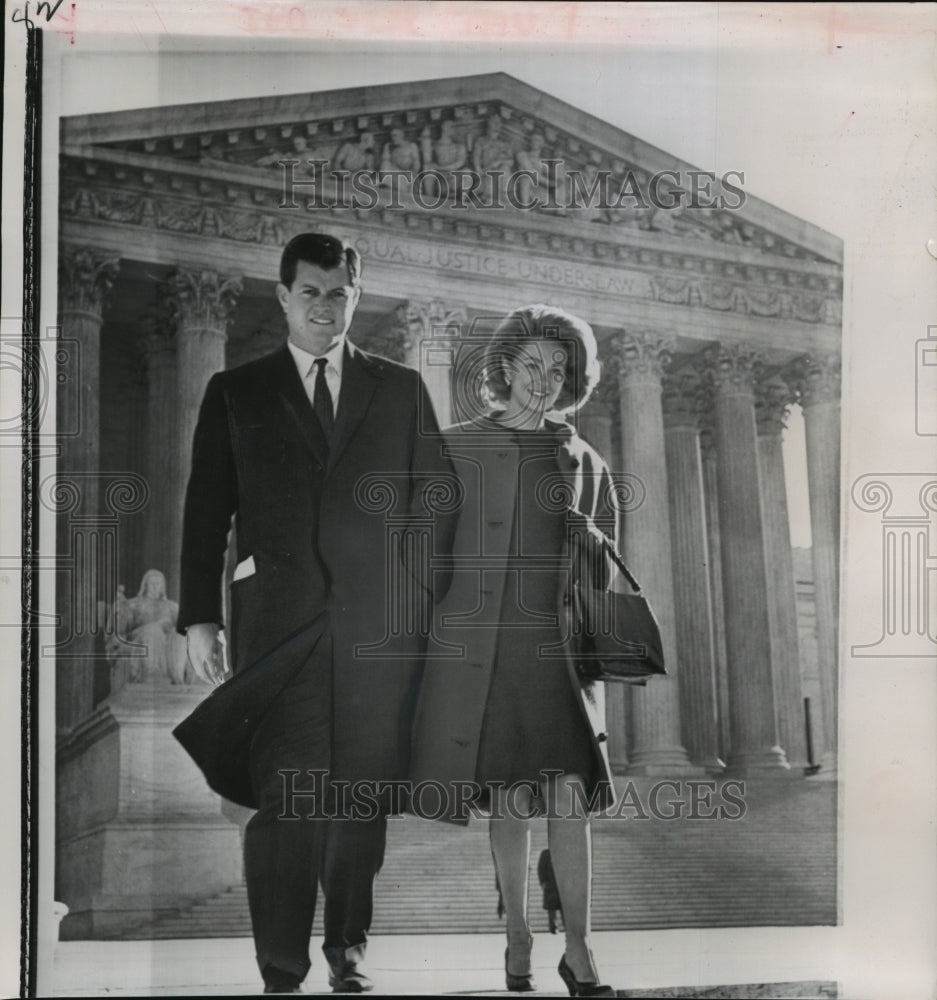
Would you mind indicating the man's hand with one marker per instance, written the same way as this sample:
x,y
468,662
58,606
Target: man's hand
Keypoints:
x,y
206,646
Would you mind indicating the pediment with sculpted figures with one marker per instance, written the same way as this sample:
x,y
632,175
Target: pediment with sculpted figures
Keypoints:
x,y
339,149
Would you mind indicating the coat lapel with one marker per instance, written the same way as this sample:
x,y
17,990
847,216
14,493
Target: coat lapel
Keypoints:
x,y
360,376
296,403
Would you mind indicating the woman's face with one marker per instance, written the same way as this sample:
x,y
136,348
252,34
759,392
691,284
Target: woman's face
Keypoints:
x,y
536,376
153,586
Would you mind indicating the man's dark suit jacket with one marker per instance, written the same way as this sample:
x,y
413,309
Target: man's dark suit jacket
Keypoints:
x,y
331,534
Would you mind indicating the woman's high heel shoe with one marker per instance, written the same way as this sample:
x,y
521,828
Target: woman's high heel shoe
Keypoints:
x,y
578,989
517,954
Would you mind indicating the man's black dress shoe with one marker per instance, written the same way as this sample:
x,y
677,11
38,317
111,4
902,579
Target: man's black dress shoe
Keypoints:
x,y
346,974
278,981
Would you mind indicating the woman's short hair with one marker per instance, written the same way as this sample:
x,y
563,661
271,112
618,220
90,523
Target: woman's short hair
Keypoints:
x,y
549,323
324,251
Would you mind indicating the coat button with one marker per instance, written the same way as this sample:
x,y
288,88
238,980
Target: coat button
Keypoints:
x,y
602,737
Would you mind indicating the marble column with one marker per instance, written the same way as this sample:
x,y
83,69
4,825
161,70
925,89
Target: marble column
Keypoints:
x,y
657,748
133,538
714,550
85,278
772,405
754,748
595,425
426,337
681,398
202,304
818,379
161,438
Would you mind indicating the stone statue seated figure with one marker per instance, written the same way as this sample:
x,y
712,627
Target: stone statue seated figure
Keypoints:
x,y
492,156
400,153
352,156
143,646
444,156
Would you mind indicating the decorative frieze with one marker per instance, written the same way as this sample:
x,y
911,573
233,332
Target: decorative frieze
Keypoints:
x,y
264,224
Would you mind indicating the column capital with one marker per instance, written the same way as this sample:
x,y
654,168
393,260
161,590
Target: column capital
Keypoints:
x,y
683,398
731,369
817,378
85,278
774,396
417,320
433,317
641,357
202,301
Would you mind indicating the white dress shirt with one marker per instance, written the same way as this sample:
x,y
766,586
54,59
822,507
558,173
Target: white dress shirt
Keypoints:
x,y
306,366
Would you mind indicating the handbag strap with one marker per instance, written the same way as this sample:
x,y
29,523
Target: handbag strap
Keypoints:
x,y
610,550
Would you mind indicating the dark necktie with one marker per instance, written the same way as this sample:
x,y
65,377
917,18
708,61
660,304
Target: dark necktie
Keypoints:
x,y
322,399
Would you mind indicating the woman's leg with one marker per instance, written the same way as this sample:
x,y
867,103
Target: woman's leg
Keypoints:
x,y
570,839
509,832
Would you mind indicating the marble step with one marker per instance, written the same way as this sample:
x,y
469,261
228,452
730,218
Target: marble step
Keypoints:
x,y
775,866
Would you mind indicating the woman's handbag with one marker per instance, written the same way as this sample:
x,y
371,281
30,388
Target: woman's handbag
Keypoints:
x,y
615,636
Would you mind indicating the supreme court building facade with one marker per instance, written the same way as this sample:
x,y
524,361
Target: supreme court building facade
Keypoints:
x,y
715,314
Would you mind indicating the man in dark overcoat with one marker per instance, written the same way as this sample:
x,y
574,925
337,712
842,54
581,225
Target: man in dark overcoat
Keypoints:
x,y
326,459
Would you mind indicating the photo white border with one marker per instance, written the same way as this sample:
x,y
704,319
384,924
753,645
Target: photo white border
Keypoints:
x,y
865,173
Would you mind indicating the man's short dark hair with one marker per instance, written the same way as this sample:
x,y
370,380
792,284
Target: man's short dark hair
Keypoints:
x,y
322,250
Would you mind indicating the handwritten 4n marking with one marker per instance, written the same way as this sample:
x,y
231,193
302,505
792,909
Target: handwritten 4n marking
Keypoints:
x,y
42,8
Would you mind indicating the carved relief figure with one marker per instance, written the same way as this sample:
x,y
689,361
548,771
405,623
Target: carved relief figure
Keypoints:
x,y
492,153
445,155
531,160
356,155
399,153
448,152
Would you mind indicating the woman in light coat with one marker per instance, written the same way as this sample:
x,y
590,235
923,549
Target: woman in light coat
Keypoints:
x,y
503,716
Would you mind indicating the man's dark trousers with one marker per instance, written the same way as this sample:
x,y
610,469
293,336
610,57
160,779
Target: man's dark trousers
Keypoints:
x,y
285,851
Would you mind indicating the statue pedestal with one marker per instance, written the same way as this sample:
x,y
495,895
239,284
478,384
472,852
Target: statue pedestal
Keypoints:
x,y
139,833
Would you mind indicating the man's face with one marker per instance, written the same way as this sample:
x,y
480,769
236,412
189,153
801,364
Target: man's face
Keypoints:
x,y
319,306
396,136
